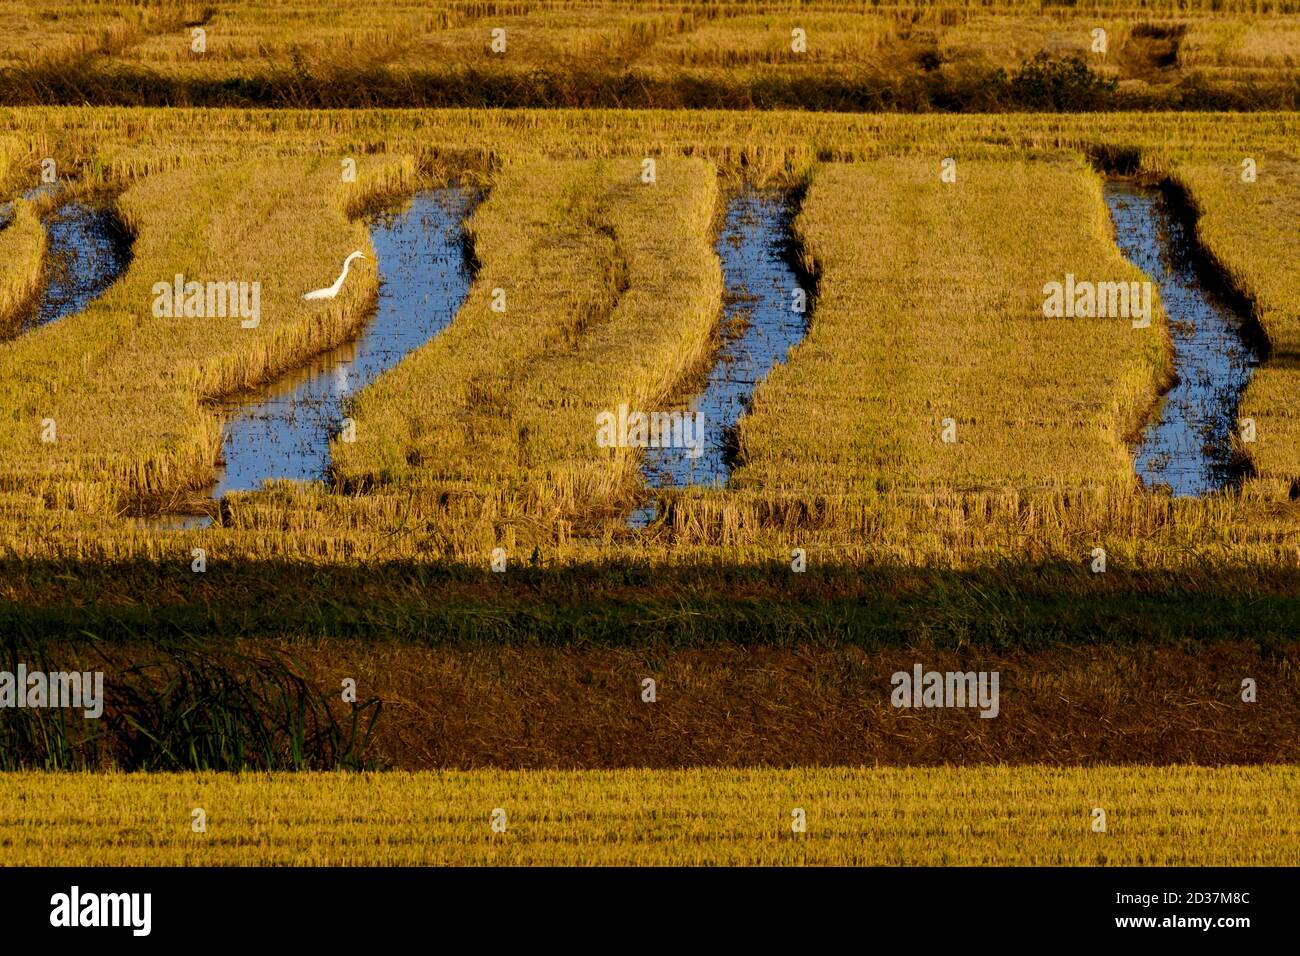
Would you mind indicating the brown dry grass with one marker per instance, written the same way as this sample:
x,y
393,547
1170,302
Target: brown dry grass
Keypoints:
x,y
463,707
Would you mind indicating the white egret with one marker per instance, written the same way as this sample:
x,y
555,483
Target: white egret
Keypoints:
x,y
333,290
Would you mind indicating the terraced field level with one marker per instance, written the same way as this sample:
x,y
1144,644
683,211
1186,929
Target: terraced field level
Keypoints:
x,y
609,288
1189,446
942,370
765,313
1181,54
1247,232
85,250
286,431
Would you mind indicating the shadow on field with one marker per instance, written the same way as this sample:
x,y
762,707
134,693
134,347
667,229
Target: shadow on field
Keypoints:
x,y
733,706
188,705
1040,84
267,665
628,603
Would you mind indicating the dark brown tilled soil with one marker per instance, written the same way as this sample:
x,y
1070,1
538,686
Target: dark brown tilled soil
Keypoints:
x,y
733,706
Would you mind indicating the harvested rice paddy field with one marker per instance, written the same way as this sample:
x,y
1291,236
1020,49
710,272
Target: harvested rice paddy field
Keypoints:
x,y
636,404
946,459
950,55
850,817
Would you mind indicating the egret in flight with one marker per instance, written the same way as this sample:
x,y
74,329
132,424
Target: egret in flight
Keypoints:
x,y
333,290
